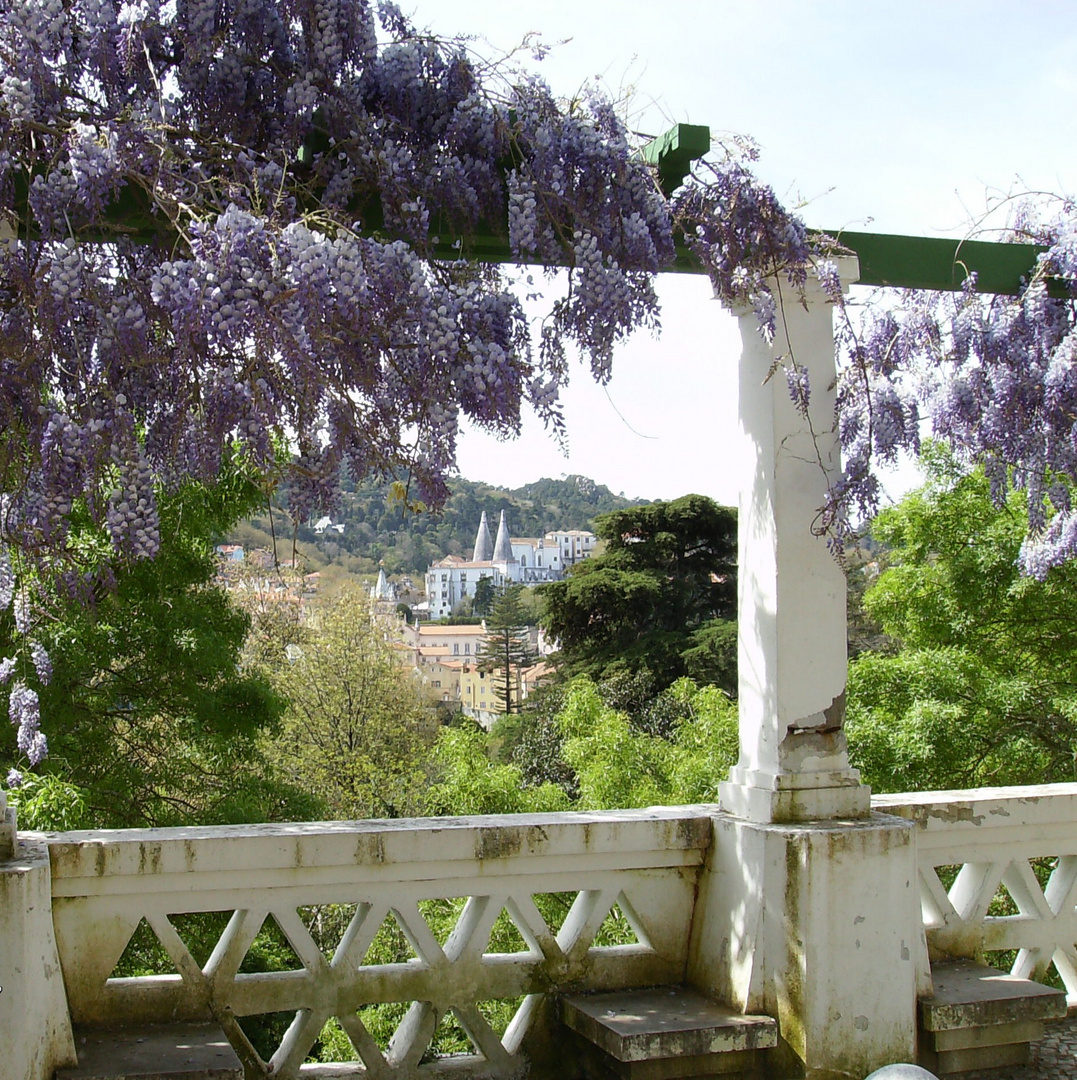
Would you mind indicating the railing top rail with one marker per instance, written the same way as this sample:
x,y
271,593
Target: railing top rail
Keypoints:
x,y
655,836
1033,805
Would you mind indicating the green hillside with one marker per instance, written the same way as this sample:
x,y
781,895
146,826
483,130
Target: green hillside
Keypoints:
x,y
378,530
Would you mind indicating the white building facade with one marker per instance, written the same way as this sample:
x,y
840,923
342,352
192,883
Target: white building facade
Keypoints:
x,y
506,560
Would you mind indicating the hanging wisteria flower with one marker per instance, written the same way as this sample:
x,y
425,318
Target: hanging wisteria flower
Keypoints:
x,y
276,276
7,580
25,713
42,662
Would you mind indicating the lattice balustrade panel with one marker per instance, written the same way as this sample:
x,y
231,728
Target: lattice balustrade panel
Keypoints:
x,y
406,967
998,876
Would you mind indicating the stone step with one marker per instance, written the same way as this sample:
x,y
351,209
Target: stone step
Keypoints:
x,y
154,1052
980,1018
668,1033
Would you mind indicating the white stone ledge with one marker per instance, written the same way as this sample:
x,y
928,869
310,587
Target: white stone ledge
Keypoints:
x,y
417,849
1034,816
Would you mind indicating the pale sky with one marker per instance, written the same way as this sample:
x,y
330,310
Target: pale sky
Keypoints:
x,y
907,117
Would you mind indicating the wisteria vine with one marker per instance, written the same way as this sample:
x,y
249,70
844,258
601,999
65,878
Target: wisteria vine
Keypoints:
x,y
254,229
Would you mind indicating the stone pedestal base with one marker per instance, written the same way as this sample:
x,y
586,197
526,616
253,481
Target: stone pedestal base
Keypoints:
x,y
795,796
35,1028
818,926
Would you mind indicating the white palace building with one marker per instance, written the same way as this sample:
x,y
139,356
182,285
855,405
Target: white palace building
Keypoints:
x,y
505,560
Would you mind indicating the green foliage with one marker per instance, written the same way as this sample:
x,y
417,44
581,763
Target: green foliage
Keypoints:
x,y
151,718
356,728
47,802
983,687
485,596
662,596
470,783
506,648
619,766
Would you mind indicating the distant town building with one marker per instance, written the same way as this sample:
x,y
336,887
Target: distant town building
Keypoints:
x,y
506,560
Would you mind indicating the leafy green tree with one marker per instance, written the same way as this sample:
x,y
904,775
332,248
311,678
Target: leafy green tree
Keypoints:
x,y
470,783
618,766
983,687
662,596
582,752
356,729
506,649
153,719
482,602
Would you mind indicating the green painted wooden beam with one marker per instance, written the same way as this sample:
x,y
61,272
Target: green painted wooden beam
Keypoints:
x,y
922,262
674,152
904,262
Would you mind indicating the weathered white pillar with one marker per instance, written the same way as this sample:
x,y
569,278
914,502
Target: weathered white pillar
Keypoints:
x,y
808,906
791,606
35,1025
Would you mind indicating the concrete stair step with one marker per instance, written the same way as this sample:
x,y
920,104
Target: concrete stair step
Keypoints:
x,y
668,1033
154,1052
981,1018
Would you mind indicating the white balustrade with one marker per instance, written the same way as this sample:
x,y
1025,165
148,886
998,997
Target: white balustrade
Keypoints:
x,y
645,863
1004,848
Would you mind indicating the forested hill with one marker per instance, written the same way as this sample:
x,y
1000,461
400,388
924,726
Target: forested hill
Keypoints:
x,y
377,529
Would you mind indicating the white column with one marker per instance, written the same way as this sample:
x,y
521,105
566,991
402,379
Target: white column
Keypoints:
x,y
791,606
35,1025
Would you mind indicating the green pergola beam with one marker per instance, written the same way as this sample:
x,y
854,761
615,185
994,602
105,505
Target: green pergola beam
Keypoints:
x,y
903,262
673,153
922,262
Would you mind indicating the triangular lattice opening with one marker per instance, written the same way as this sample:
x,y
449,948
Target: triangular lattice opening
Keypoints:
x,y
506,936
620,927
391,944
270,951
441,916
143,955
1003,902
381,1021
450,1039
333,1044
554,908
200,931
499,1013
265,1031
327,924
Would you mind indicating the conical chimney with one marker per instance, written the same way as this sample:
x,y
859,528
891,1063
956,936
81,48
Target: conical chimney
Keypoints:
x,y
483,545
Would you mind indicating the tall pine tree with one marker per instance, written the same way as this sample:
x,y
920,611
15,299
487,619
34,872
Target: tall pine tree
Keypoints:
x,y
507,649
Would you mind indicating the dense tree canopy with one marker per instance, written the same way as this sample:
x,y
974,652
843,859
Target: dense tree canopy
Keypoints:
x,y
613,763
983,689
356,729
154,721
662,595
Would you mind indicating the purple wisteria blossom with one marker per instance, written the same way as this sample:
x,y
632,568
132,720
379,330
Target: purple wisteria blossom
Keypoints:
x,y
277,273
994,376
